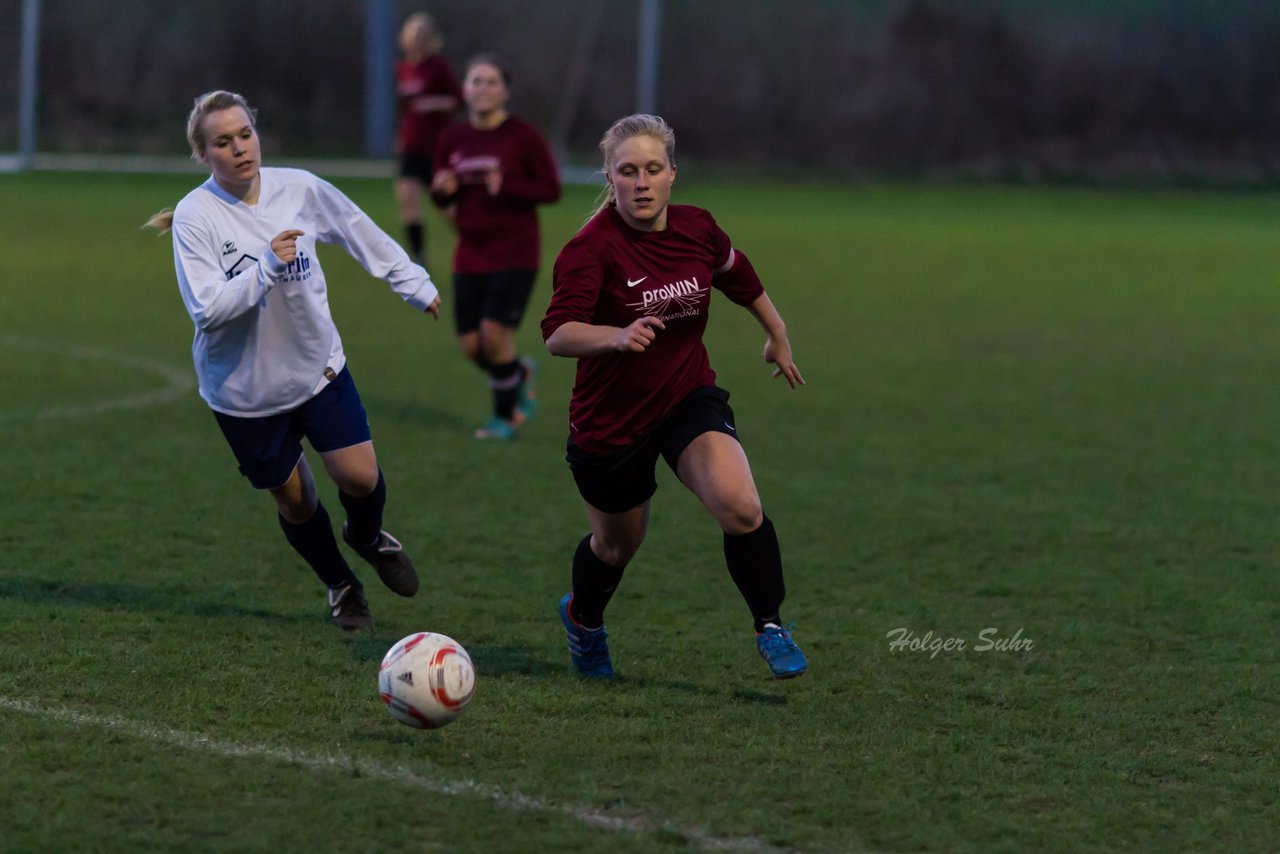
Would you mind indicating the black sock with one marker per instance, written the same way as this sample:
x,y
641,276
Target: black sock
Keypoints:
x,y
505,381
364,515
593,584
755,563
314,540
417,240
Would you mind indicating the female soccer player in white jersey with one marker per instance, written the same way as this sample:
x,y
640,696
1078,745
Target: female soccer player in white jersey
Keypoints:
x,y
631,292
267,355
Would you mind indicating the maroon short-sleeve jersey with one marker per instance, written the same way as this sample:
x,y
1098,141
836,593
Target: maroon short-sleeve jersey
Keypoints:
x,y
609,274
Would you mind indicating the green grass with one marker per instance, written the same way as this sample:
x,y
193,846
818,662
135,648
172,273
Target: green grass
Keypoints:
x,y
1052,411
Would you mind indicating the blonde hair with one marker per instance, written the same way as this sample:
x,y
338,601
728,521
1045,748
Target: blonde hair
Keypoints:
x,y
639,124
434,41
209,102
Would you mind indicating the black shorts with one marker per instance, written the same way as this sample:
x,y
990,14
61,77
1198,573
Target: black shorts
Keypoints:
x,y
501,297
416,166
268,447
620,480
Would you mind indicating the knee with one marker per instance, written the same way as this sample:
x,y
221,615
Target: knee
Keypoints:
x,y
615,552
741,516
470,347
360,482
491,349
296,509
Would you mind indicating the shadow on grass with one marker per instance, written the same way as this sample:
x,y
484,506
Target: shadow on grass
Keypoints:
x,y
489,659
756,697
509,660
643,683
109,595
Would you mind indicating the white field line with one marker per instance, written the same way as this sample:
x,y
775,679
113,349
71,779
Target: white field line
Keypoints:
x,y
176,382
342,763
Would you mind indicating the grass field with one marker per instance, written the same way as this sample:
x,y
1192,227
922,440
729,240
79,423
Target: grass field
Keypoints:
x,y
1047,414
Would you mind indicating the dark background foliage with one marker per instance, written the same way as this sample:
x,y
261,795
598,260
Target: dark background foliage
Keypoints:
x,y
1029,90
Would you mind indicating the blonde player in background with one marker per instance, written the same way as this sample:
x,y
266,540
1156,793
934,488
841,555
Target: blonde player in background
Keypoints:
x,y
268,357
427,95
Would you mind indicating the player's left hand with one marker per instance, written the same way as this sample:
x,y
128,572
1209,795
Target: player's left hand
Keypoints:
x,y
434,308
778,353
493,181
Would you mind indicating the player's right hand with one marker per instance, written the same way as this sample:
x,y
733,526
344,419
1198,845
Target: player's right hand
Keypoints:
x,y
444,182
637,337
285,245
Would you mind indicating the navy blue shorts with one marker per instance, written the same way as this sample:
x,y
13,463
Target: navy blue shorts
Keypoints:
x,y
620,480
268,448
501,297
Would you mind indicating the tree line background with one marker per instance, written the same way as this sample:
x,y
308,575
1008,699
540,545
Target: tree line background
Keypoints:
x,y
1128,89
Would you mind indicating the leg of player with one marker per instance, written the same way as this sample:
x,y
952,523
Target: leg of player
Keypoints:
x,y
506,375
409,200
307,527
715,468
469,345
598,564
363,493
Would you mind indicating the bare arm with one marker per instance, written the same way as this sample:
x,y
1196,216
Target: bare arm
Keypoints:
x,y
574,339
777,347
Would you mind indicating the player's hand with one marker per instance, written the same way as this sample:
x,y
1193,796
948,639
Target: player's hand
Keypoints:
x,y
778,353
493,181
444,182
285,245
434,308
637,337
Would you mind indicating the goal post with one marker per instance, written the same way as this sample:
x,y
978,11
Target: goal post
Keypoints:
x,y
27,85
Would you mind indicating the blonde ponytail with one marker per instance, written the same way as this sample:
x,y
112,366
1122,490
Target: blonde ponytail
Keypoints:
x,y
161,221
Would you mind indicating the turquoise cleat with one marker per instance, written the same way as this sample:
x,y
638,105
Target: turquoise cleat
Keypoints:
x,y
780,652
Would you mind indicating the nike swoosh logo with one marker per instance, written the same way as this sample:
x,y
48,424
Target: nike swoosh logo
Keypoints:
x,y
632,284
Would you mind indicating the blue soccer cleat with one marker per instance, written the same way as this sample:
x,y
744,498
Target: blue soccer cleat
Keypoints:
x,y
589,648
780,652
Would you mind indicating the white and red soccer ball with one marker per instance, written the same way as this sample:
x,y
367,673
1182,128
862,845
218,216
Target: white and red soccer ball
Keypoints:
x,y
426,680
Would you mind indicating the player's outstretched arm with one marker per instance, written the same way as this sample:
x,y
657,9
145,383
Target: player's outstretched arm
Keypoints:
x,y
777,347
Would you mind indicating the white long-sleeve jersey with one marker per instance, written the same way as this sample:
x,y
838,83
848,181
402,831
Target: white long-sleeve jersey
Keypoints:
x,y
264,336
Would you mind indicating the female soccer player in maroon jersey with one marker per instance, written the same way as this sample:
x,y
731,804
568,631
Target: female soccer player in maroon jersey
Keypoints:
x,y
427,95
631,293
492,171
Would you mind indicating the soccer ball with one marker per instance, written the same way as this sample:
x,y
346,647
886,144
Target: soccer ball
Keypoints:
x,y
426,680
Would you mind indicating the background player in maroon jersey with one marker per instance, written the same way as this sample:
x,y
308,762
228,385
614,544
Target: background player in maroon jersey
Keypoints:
x,y
427,95
631,292
492,171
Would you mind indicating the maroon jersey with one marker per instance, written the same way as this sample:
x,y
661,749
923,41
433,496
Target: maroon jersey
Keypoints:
x,y
418,130
609,274
497,232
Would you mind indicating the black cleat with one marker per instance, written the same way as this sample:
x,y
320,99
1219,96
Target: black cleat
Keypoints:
x,y
348,609
387,556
